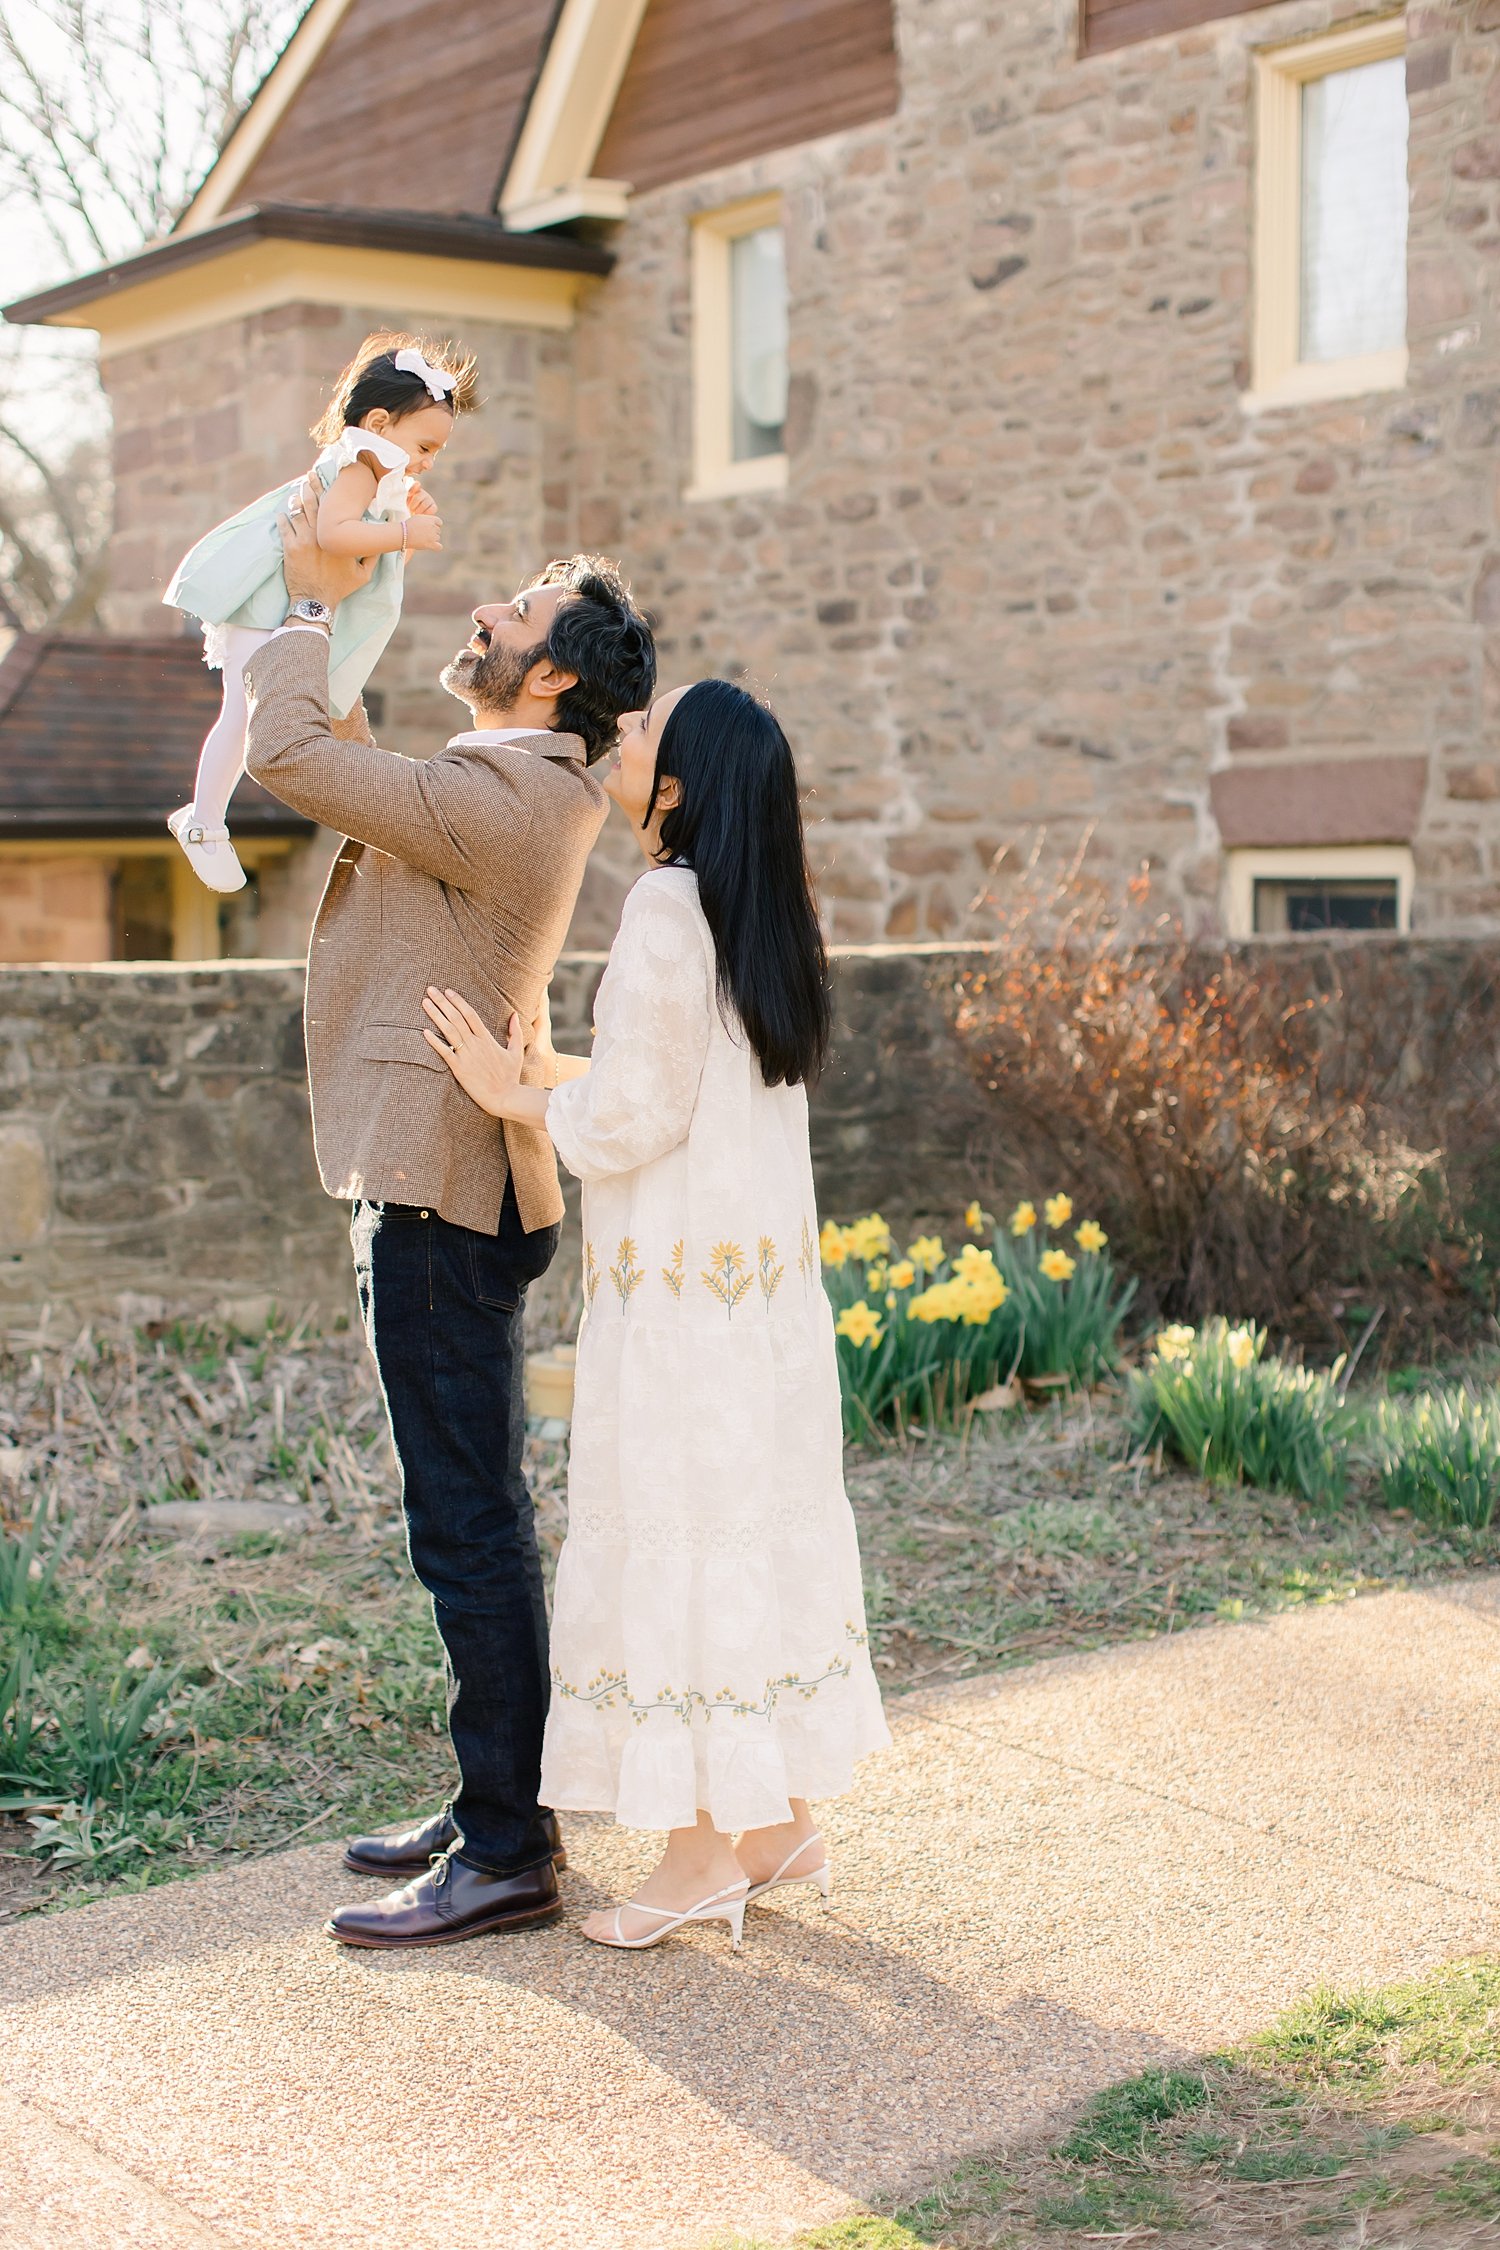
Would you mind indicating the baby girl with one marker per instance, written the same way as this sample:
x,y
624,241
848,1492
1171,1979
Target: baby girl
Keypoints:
x,y
391,414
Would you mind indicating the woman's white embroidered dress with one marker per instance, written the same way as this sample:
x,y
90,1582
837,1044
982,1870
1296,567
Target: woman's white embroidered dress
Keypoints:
x,y
708,1635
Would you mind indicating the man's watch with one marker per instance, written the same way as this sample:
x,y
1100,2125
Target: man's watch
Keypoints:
x,y
309,612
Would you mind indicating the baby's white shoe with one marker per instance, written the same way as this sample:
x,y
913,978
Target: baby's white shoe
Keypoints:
x,y
213,857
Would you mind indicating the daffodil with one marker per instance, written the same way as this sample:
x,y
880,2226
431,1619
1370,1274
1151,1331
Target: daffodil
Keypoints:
x,y
831,1244
1240,1345
1091,1237
926,1253
1175,1343
868,1238
1057,1265
877,1275
1059,1209
1023,1218
974,1218
861,1324
902,1274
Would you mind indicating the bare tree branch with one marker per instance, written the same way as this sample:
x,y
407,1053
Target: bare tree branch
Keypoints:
x,y
110,113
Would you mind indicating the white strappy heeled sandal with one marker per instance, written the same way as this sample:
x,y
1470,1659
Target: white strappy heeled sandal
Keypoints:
x,y
722,1906
822,1875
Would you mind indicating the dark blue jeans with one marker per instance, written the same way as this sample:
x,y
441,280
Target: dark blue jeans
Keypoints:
x,y
444,1310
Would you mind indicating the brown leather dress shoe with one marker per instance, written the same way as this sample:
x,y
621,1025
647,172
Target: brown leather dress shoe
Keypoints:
x,y
451,1901
409,1850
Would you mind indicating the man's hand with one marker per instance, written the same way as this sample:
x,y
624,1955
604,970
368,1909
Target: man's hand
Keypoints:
x,y
312,575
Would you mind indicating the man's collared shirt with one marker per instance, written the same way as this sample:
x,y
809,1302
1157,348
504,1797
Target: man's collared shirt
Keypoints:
x,y
492,735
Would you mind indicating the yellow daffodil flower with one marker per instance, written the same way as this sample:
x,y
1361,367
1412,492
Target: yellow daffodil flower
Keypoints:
x,y
1090,1237
877,1274
974,1218
1175,1343
861,1324
1023,1218
868,1238
1059,1209
1240,1345
832,1245
926,1253
1057,1265
902,1274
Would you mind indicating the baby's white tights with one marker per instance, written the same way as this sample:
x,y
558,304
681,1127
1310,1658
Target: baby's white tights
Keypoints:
x,y
199,826
221,761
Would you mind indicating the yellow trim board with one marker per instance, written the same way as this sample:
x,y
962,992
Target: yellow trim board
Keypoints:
x,y
264,273
278,90
567,116
1279,376
716,473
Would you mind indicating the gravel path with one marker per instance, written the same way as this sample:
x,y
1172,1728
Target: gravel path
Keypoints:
x,y
1059,1876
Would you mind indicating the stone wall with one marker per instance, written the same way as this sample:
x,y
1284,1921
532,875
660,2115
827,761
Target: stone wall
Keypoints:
x,y
1037,565
55,908
155,1140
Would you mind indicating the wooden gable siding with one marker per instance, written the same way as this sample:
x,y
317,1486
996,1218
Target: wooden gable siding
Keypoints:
x,y
714,81
1120,23
413,105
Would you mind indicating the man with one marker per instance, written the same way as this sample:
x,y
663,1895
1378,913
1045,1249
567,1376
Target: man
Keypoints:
x,y
460,869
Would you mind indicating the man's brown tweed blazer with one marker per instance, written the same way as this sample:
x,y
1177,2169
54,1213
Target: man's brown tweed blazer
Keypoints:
x,y
458,870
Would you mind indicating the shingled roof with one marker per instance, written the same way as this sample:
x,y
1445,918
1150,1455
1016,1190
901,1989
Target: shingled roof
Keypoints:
x,y
100,737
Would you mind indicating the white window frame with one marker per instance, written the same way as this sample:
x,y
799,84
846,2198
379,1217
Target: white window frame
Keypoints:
x,y
1278,376
716,474
1303,863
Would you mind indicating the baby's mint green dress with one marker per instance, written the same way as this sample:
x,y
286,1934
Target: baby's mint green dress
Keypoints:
x,y
234,575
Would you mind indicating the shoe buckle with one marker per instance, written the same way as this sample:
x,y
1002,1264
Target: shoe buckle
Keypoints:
x,y
195,835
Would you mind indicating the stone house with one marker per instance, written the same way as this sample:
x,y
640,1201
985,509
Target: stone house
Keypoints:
x,y
1078,415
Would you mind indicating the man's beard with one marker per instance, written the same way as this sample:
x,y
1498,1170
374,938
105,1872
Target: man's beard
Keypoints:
x,y
490,679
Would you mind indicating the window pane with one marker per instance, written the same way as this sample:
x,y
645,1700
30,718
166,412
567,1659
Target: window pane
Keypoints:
x,y
1354,203
1304,904
758,341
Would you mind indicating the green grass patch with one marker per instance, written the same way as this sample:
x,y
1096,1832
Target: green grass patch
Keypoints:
x,y
1312,2132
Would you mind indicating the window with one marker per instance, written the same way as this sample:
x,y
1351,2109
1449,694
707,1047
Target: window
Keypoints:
x,y
740,335
1305,890
1331,209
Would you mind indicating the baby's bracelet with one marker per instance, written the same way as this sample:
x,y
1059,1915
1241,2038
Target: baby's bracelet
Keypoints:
x,y
405,521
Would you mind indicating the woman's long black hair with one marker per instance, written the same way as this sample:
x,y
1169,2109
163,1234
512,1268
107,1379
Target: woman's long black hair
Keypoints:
x,y
738,825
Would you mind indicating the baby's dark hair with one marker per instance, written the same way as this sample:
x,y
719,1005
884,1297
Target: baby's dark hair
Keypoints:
x,y
373,379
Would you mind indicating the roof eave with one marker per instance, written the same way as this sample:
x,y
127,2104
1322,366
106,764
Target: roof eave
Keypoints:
x,y
53,824
416,233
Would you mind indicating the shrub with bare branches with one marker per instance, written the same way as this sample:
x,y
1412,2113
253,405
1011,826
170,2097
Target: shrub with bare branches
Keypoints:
x,y
1294,1135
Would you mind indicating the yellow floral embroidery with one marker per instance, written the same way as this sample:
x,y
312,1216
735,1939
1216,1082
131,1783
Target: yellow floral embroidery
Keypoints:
x,y
673,1275
725,1275
590,1273
769,1272
627,1276
807,1256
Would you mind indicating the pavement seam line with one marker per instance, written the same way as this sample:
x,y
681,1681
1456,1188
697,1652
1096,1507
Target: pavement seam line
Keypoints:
x,y
102,2157
1224,1819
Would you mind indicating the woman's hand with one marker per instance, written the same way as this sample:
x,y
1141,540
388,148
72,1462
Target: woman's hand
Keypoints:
x,y
488,1073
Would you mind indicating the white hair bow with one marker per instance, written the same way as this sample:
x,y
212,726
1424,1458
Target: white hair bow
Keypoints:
x,y
438,381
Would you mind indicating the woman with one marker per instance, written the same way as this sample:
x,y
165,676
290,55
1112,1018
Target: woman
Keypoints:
x,y
709,1659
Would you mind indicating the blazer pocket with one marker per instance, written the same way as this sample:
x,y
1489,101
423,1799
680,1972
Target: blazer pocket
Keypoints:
x,y
394,1042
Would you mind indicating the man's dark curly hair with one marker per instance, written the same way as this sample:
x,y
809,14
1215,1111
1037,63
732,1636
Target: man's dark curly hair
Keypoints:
x,y
601,635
